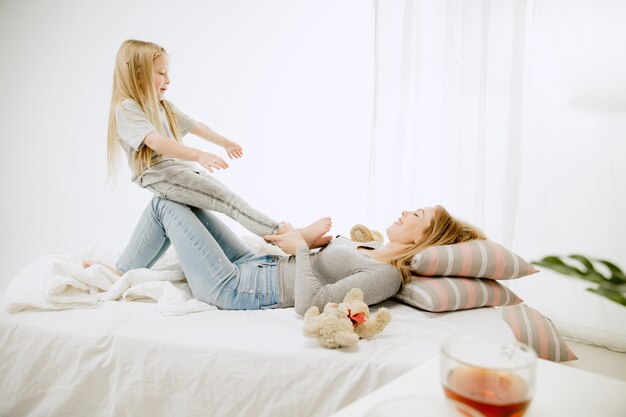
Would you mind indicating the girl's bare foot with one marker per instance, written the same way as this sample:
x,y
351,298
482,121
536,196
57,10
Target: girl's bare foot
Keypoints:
x,y
313,234
89,262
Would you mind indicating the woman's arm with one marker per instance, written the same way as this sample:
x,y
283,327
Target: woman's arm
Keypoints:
x,y
233,150
310,291
170,147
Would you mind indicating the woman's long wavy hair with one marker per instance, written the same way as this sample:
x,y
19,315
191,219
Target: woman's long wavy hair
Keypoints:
x,y
133,78
443,230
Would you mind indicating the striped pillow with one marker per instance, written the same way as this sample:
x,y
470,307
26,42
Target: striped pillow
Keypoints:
x,y
471,259
536,330
450,294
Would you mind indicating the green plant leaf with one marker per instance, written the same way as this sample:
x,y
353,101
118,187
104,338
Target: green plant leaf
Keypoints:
x,y
583,260
613,287
590,274
612,295
617,276
556,264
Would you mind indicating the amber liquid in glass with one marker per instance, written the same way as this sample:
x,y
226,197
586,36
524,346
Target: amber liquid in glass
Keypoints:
x,y
492,393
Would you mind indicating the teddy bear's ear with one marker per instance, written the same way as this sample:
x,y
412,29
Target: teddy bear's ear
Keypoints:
x,y
354,294
342,310
360,233
330,306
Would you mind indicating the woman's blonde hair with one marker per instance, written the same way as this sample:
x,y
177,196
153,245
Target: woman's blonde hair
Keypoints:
x,y
443,230
133,78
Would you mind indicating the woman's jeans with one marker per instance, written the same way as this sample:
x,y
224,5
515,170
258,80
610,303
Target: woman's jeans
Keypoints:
x,y
219,268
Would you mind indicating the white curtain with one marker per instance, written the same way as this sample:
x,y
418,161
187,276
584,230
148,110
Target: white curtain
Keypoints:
x,y
510,113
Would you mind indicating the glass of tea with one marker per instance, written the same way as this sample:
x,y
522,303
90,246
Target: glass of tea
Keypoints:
x,y
495,377
412,405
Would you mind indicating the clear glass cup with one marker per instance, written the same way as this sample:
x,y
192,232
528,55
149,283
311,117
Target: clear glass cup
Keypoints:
x,y
420,405
494,376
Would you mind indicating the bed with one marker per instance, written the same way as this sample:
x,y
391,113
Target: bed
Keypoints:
x,y
126,359
144,358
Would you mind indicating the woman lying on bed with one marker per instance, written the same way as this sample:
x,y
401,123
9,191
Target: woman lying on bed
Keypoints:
x,y
222,271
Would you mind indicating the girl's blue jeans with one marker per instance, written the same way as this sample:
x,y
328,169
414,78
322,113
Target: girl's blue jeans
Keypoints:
x,y
219,268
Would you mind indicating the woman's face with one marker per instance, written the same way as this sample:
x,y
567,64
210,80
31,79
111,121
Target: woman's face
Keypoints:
x,y
161,75
410,227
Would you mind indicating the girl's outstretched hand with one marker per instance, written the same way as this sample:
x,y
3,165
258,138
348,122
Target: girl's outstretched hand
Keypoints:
x,y
234,150
288,241
211,162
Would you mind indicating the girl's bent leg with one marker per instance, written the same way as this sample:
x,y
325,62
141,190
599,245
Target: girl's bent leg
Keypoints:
x,y
147,244
207,269
204,191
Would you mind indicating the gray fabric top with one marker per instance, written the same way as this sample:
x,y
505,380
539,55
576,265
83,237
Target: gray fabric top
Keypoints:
x,y
314,279
133,126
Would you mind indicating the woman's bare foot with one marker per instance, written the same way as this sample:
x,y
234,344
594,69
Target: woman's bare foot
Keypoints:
x,y
89,262
313,234
321,242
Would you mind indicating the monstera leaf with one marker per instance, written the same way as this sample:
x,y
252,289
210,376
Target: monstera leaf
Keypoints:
x,y
611,283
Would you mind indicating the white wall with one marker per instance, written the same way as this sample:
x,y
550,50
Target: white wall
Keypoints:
x,y
290,80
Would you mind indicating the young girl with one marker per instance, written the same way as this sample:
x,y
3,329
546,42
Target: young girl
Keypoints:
x,y
150,130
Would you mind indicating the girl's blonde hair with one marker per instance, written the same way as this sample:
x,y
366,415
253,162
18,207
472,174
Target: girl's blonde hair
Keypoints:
x,y
133,78
443,230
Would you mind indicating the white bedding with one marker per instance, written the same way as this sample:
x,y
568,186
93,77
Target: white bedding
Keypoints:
x,y
128,358
58,282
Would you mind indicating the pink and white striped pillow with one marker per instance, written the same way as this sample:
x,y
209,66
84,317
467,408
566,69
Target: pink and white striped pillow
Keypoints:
x,y
450,294
537,331
471,259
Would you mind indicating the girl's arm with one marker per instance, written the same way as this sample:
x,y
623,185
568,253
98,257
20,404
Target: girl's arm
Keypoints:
x,y
233,150
169,147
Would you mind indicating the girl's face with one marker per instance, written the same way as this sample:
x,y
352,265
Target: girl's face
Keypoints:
x,y
161,67
410,227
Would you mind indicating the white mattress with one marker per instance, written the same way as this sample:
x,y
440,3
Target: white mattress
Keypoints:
x,y
126,359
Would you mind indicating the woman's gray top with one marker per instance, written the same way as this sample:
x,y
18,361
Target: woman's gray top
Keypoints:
x,y
314,279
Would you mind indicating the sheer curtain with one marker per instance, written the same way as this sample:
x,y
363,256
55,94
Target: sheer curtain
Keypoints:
x,y
512,114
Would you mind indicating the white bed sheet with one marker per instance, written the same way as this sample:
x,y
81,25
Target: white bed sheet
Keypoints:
x,y
126,359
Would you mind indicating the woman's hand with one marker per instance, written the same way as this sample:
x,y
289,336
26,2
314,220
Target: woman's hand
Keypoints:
x,y
288,241
210,161
233,150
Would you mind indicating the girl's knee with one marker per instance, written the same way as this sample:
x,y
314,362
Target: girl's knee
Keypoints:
x,y
159,204
154,203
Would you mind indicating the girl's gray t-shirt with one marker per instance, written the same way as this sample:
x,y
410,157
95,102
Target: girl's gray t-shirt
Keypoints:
x,y
133,126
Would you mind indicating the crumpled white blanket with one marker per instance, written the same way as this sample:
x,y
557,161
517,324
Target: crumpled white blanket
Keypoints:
x,y
57,282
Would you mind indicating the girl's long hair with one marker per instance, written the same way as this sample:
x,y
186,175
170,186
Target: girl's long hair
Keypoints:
x,y
443,230
133,78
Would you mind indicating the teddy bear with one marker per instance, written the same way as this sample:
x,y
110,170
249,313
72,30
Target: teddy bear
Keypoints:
x,y
343,324
360,233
